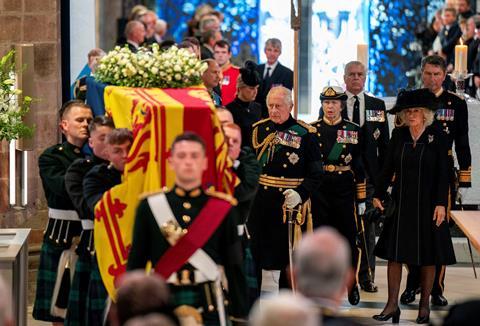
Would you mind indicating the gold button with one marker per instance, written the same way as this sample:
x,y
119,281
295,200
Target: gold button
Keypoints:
x,y
341,164
284,165
280,189
318,125
187,205
288,153
321,144
318,134
339,172
342,156
265,187
344,127
184,231
267,129
344,146
445,124
186,218
281,177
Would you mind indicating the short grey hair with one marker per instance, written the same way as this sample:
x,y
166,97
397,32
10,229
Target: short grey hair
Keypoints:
x,y
322,263
274,42
428,117
352,64
285,92
286,309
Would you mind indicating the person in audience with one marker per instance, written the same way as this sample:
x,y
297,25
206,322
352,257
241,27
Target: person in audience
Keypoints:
x,y
222,54
196,44
149,20
208,39
63,223
224,115
80,89
273,73
323,272
286,309
470,39
160,30
211,79
416,232
244,109
135,35
450,34
464,9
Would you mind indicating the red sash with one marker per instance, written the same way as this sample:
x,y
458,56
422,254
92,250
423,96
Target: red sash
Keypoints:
x,y
202,228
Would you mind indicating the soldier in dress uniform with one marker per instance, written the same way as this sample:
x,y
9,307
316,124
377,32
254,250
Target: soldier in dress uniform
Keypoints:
x,y
291,171
368,112
98,129
63,223
452,118
170,226
341,199
97,181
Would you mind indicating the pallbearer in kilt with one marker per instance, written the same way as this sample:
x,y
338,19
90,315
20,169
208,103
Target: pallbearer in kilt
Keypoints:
x,y
291,171
341,199
63,223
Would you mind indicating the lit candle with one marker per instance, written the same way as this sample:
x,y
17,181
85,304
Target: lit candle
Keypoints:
x,y
362,54
461,58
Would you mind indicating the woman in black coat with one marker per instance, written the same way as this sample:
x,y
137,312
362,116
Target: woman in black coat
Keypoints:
x,y
415,233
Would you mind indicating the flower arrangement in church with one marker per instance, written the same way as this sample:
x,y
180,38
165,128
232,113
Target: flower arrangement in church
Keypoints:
x,y
171,68
11,109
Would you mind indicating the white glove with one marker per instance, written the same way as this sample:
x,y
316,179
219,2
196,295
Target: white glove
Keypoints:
x,y
292,198
461,193
361,209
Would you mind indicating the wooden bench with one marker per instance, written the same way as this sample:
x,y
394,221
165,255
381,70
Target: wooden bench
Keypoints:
x,y
469,223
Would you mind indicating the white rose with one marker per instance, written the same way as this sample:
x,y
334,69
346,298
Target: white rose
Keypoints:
x,y
154,70
178,76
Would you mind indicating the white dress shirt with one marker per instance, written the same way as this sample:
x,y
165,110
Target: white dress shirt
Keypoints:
x,y
351,101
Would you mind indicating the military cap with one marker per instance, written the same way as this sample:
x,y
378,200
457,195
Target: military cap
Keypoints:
x,y
416,98
333,93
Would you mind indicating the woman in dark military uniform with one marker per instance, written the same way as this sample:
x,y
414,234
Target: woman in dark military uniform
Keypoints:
x,y
343,187
415,233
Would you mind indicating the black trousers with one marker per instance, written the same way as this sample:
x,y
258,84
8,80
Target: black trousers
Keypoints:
x,y
334,205
368,243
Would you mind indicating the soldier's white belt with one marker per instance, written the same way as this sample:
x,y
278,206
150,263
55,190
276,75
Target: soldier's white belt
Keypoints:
x,y
87,224
336,168
63,214
279,182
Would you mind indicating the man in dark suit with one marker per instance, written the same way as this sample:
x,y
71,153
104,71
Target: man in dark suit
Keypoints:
x,y
273,73
368,112
449,34
135,34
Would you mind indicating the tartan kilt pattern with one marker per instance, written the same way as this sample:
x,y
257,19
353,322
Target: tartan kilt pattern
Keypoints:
x,y
46,277
251,276
97,295
77,299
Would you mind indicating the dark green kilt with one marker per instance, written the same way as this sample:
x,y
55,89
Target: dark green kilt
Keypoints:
x,y
46,276
77,300
251,276
195,296
97,296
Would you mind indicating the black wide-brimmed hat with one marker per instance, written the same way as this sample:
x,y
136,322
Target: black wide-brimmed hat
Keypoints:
x,y
249,74
416,98
333,93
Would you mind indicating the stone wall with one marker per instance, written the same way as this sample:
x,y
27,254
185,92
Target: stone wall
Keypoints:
x,y
37,22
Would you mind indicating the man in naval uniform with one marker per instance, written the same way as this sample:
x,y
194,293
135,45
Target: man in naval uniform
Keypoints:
x,y
63,223
98,129
452,118
341,200
171,226
369,113
291,172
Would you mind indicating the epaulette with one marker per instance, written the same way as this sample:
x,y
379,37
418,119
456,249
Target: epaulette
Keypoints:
x,y
353,123
222,195
315,122
311,129
260,122
151,193
457,95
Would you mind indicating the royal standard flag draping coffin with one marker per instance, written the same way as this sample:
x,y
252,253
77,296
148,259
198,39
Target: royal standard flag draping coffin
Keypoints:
x,y
156,117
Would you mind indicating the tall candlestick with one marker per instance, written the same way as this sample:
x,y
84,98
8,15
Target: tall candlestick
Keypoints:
x,y
461,58
362,54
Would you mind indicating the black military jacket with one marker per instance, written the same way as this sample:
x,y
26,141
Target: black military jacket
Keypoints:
x,y
340,144
452,118
74,184
97,181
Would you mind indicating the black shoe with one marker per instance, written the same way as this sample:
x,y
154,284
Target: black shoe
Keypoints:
x,y
408,296
369,286
439,300
354,296
395,315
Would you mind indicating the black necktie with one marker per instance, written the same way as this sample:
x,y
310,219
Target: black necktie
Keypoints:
x,y
356,110
267,76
